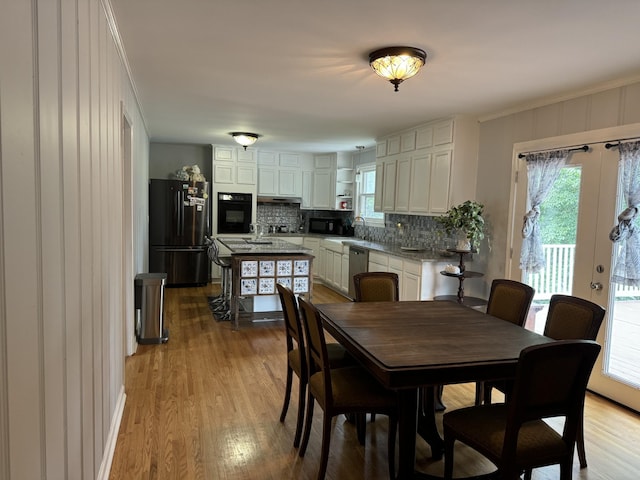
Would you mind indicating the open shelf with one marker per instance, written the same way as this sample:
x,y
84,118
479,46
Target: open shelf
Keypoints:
x,y
462,276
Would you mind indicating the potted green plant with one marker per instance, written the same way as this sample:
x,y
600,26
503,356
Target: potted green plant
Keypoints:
x,y
466,222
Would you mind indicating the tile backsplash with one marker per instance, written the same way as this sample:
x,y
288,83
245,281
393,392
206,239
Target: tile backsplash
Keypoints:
x,y
291,216
405,230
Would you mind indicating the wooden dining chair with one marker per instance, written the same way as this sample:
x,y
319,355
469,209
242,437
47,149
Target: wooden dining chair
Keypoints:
x,y
509,300
572,318
376,287
551,381
296,357
340,390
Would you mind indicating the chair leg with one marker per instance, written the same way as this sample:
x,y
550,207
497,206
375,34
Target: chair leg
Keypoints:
x,y
326,440
287,394
479,393
301,404
307,425
527,473
582,454
448,456
361,427
391,445
487,394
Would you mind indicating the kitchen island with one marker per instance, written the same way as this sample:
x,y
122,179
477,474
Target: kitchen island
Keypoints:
x,y
258,264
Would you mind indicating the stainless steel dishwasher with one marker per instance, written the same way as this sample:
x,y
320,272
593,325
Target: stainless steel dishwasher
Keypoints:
x,y
358,263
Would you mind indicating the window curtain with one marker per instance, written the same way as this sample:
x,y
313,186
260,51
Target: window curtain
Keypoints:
x,y
543,169
627,254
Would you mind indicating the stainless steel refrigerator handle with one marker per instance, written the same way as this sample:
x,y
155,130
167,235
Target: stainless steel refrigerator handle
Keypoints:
x,y
179,209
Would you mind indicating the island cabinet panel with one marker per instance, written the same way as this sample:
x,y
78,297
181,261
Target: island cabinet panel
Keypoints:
x,y
255,275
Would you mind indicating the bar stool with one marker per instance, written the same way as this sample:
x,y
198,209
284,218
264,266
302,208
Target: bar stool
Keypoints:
x,y
221,304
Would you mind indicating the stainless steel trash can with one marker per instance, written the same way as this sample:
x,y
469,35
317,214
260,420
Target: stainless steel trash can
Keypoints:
x,y
149,302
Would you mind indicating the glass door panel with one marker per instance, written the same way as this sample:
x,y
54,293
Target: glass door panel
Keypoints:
x,y
575,223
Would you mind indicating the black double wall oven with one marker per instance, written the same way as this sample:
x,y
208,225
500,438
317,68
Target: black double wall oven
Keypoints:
x,y
234,212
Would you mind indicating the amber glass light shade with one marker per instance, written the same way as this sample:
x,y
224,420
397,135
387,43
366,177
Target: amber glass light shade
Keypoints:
x,y
396,64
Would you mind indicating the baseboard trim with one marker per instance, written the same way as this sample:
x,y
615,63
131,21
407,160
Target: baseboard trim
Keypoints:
x,y
112,438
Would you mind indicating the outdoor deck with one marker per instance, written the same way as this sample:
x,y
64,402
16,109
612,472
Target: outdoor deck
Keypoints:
x,y
624,327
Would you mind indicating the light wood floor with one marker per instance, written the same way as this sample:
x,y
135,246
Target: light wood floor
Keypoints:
x,y
206,406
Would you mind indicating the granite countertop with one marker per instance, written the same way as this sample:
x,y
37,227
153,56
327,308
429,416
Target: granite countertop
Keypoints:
x,y
418,255
261,246
280,245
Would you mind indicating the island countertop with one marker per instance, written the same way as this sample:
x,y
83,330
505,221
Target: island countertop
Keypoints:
x,y
261,246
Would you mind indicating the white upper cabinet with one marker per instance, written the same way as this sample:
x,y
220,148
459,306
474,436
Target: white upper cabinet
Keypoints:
x,y
424,137
323,188
234,166
389,185
326,160
420,178
439,186
429,168
393,145
403,179
279,174
408,141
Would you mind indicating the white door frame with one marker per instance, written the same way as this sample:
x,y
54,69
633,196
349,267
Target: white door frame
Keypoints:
x,y
599,382
128,312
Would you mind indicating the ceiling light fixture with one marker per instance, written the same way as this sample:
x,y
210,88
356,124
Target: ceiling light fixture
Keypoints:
x,y
245,139
396,64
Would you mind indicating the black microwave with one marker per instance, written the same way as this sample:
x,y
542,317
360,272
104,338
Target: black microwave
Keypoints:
x,y
325,225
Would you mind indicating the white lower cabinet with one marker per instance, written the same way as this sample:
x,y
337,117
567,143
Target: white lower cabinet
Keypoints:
x,y
313,244
336,264
344,279
411,281
417,280
378,262
322,261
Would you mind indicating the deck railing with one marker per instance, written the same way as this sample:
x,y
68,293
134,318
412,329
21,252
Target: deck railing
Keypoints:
x,y
557,275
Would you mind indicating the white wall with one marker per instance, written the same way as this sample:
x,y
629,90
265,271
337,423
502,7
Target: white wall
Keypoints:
x,y
68,242
606,108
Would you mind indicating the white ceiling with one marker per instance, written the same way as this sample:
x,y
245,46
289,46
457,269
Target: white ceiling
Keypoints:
x,y
297,72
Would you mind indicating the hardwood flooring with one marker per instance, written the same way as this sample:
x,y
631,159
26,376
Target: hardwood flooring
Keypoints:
x,y
206,405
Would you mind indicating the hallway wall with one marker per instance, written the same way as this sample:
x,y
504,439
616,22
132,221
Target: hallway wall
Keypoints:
x,y
66,255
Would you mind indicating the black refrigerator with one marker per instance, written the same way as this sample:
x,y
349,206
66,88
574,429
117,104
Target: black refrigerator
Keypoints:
x,y
178,224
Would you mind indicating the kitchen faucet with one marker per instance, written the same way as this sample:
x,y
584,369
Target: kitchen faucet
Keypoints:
x,y
364,225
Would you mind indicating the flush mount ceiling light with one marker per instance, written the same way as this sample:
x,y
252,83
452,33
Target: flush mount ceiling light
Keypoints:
x,y
245,139
396,64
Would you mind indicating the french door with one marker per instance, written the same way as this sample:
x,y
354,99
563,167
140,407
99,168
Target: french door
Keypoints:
x,y
575,222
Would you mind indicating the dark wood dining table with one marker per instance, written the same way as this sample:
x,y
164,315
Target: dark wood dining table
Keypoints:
x,y
410,345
